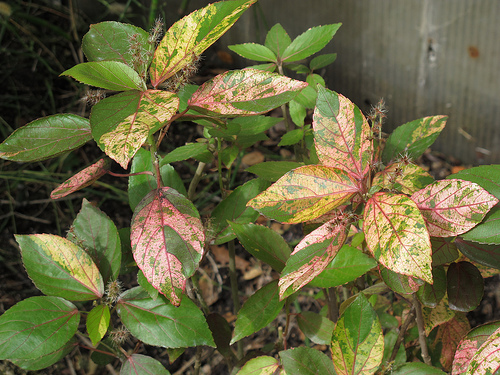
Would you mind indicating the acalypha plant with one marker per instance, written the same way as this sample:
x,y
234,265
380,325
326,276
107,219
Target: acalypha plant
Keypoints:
x,y
393,258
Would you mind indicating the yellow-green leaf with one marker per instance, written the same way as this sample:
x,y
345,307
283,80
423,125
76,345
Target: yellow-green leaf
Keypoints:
x,y
193,34
60,268
305,193
396,235
97,323
407,178
357,342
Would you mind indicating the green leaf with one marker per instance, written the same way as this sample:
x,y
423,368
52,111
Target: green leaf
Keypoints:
x,y
60,268
306,361
82,179
470,344
144,283
413,138
487,176
273,170
305,193
47,360
488,231
417,368
443,251
234,209
160,323
316,327
46,137
263,365
487,255
263,243
297,113
254,51
292,137
401,284
167,240
36,327
94,231
465,286
252,125
431,294
322,60
357,341
396,235
258,311
312,255
140,185
277,40
307,97
110,75
244,92
487,358
349,264
228,155
188,151
97,323
123,122
341,134
138,364
192,35
221,332
452,207
309,42
114,41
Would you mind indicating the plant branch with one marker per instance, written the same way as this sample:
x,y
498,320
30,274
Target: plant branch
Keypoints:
x,y
233,278
195,181
410,318
331,300
421,331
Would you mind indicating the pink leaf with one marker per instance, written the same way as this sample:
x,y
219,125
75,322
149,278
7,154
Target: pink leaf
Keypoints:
x,y
487,359
396,235
312,255
452,207
82,179
341,134
167,240
448,337
244,92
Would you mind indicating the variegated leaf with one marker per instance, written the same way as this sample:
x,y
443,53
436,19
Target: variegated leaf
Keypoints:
x,y
305,193
452,207
82,179
244,92
487,359
193,34
123,122
413,138
470,344
341,134
167,240
396,235
357,342
440,314
311,256
407,178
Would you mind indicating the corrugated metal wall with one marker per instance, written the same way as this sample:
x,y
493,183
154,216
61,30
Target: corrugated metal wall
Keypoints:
x,y
424,57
